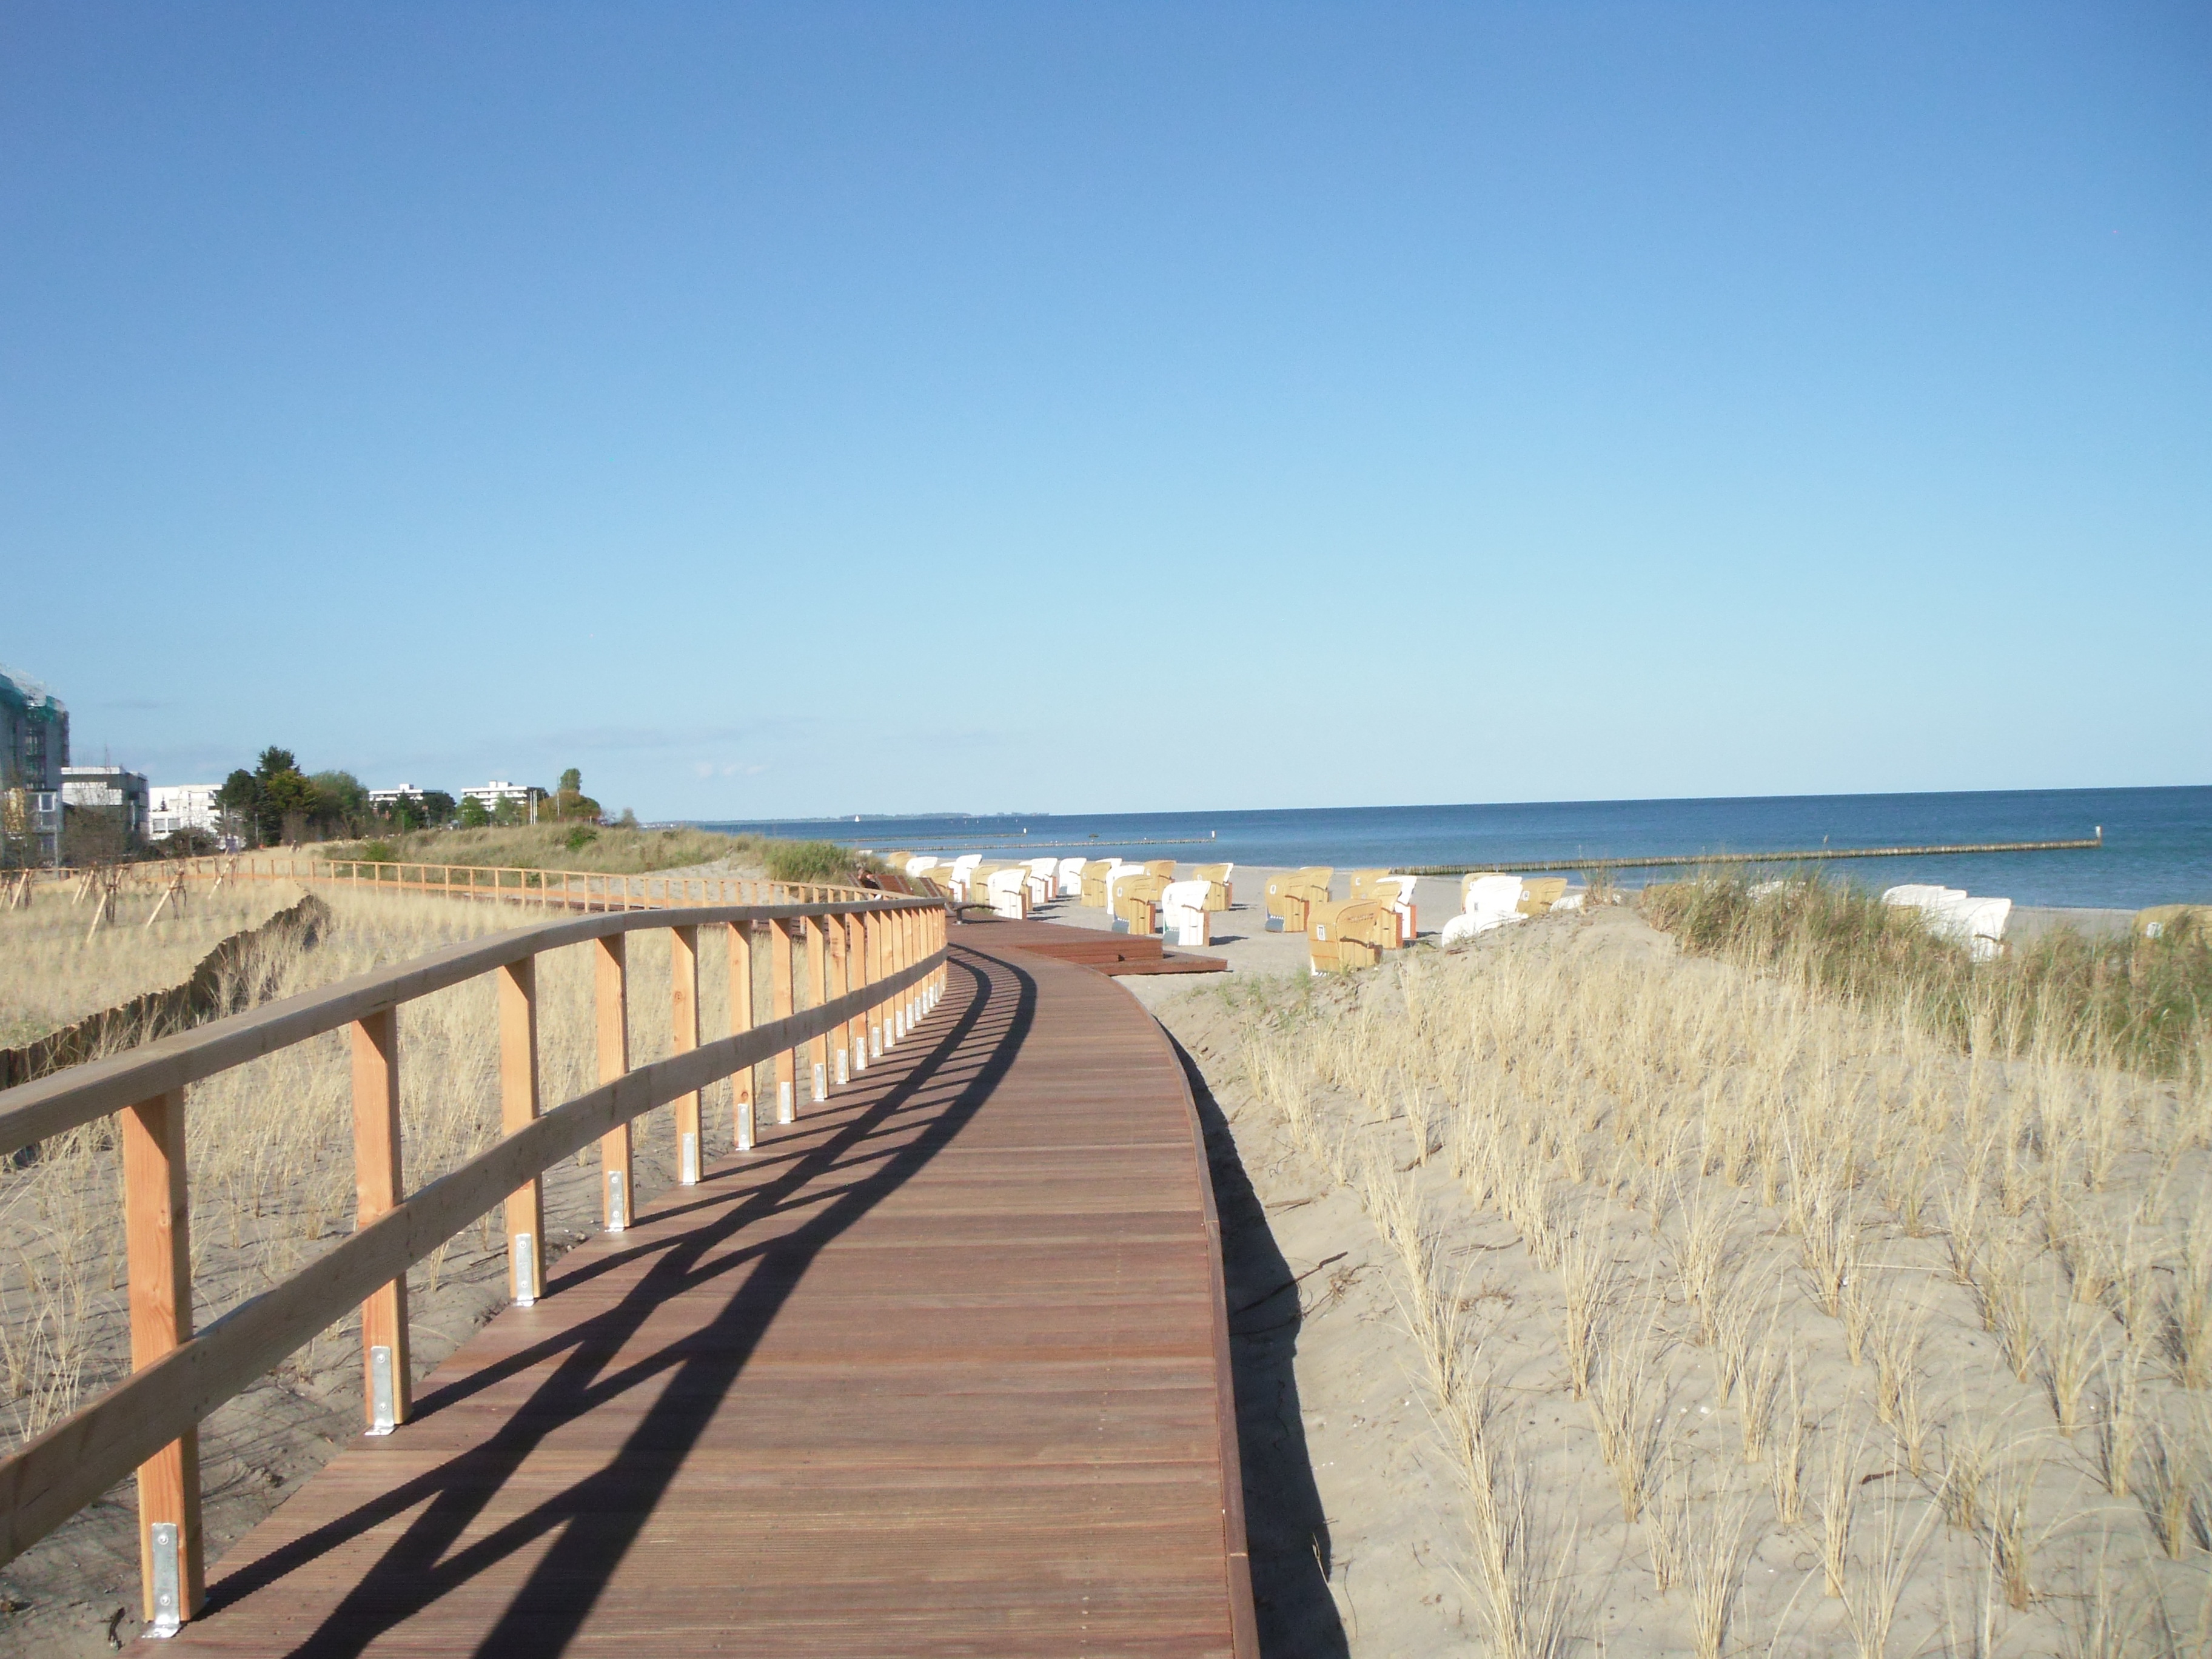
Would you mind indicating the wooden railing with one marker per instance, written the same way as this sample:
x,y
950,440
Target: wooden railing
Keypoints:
x,y
571,889
873,966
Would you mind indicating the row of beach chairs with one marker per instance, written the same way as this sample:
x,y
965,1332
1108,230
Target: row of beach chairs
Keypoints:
x,y
1142,897
1380,915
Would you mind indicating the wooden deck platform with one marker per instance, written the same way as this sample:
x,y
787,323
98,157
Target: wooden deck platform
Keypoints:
x,y
942,1369
1090,947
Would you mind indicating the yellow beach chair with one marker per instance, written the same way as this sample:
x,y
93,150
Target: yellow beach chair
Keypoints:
x,y
1218,874
1348,933
1291,895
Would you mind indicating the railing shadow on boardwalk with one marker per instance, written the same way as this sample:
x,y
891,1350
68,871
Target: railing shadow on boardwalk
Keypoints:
x,y
1286,1529
598,1518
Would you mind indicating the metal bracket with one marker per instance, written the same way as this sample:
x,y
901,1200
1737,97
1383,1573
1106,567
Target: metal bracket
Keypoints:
x,y
165,1540
383,1396
687,1160
523,1249
821,1080
617,1202
784,1114
843,1077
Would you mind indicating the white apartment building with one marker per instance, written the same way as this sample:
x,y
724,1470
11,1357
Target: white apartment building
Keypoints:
x,y
413,791
177,806
499,790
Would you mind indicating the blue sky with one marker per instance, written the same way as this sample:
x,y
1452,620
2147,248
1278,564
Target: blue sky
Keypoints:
x,y
822,408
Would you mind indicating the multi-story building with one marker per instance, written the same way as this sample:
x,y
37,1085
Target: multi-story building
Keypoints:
x,y
175,807
525,797
35,747
114,788
390,797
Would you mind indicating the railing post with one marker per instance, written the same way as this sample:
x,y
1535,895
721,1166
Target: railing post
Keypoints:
x,y
863,976
386,1381
518,1110
817,977
741,1020
779,1008
157,1230
841,980
610,982
683,1037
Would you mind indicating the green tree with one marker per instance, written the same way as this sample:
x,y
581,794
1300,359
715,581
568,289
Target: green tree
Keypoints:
x,y
288,798
240,798
341,801
473,813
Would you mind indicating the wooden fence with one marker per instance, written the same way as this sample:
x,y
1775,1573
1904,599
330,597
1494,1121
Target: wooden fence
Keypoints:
x,y
874,965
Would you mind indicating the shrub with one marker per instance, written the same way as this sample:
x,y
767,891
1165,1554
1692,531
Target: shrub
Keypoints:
x,y
579,838
809,861
377,852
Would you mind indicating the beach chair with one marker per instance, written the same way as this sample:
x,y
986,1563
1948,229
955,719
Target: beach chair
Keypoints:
x,y
1397,893
1186,910
1220,874
1160,867
1096,874
1045,880
1291,895
1071,878
1347,933
1137,903
2161,921
1118,878
920,864
1487,900
1007,892
1539,894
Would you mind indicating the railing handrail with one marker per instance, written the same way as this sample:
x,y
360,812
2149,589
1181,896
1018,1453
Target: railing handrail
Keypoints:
x,y
285,866
68,1466
875,965
68,1099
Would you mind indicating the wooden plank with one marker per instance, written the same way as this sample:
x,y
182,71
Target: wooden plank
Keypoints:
x,y
940,1373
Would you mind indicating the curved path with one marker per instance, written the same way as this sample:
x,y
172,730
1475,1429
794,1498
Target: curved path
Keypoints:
x,y
941,1369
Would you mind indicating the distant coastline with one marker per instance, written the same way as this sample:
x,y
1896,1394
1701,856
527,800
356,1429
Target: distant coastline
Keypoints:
x,y
2158,841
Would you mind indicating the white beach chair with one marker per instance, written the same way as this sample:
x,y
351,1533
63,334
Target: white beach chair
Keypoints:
x,y
1486,901
1007,892
1184,919
1922,896
921,865
1044,879
963,867
1071,878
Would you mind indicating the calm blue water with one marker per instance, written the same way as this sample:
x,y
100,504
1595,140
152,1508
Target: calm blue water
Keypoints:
x,y
2158,842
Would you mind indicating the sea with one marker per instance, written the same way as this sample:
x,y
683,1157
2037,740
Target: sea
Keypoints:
x,y
2157,843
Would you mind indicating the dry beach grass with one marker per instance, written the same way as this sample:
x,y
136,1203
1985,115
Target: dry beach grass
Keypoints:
x,y
1750,1313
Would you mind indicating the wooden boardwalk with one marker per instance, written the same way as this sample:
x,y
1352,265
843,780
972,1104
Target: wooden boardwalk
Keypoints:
x,y
942,1369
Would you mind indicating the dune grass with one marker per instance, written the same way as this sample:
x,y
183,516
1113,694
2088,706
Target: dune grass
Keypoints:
x,y
59,970
1841,1335
2143,1004
606,850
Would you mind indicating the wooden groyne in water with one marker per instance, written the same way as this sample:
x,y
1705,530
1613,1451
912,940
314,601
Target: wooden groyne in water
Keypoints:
x,y
1812,856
